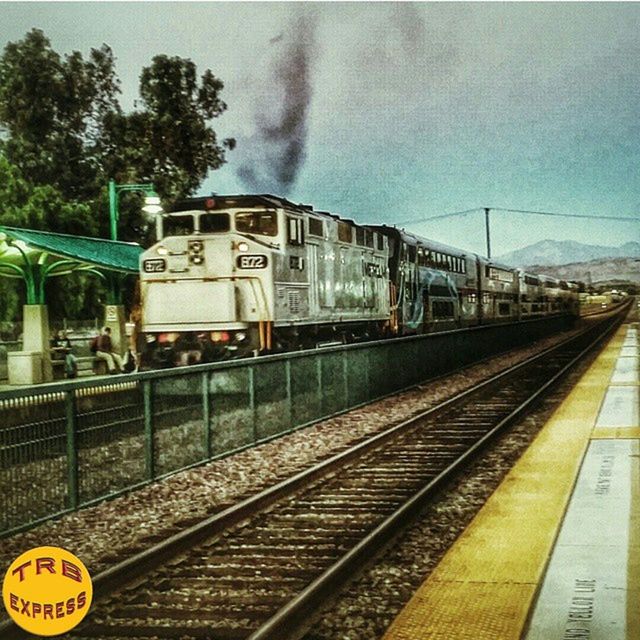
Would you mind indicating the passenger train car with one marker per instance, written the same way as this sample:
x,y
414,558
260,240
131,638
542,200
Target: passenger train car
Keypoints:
x,y
239,275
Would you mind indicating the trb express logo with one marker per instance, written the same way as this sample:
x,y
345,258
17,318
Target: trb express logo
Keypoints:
x,y
47,591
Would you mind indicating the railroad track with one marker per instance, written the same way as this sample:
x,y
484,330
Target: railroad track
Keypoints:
x,y
259,569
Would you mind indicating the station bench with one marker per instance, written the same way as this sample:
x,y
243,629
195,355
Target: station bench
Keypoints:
x,y
87,366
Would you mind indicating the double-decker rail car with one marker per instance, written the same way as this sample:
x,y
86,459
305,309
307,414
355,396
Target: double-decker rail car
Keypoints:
x,y
570,299
553,293
531,295
239,275
499,292
433,286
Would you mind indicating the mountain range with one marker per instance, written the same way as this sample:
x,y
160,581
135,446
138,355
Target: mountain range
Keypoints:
x,y
562,252
587,263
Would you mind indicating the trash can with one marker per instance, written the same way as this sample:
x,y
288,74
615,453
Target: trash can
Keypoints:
x,y
25,367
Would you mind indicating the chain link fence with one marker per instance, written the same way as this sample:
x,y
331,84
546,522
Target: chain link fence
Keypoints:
x,y
65,445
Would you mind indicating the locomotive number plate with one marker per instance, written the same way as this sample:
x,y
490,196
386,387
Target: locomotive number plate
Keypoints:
x,y
257,261
156,265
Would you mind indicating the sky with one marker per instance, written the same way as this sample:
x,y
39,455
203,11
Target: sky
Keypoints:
x,y
389,112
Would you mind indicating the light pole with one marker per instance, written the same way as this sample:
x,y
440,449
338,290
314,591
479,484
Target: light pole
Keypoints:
x,y
151,202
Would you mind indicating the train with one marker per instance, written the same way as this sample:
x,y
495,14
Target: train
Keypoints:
x,y
240,275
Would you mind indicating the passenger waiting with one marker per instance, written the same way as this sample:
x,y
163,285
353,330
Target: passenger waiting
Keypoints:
x,y
103,348
61,350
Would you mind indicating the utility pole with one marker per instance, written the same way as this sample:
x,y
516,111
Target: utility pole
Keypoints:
x,y
486,222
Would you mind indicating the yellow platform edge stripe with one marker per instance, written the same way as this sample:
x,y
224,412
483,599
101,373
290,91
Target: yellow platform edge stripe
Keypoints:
x,y
633,559
484,586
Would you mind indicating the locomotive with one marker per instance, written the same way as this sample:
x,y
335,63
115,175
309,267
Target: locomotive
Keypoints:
x,y
232,276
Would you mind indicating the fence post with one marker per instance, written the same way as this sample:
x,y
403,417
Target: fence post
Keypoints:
x,y
149,457
345,379
319,377
206,414
367,371
72,448
287,373
252,403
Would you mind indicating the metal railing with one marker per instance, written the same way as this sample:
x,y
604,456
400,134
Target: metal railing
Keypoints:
x,y
69,444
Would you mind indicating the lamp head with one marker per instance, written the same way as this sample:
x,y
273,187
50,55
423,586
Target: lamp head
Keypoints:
x,y
152,203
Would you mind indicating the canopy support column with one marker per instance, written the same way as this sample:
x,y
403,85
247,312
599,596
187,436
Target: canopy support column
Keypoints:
x,y
32,365
114,318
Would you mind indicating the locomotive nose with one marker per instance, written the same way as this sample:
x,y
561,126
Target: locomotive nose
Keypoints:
x,y
195,292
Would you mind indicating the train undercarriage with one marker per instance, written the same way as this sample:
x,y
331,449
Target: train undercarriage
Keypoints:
x,y
173,349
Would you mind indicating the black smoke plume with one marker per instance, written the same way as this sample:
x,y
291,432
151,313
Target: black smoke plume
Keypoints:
x,y
275,153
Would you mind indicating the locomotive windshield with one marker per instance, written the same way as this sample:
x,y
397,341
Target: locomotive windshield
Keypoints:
x,y
214,222
173,225
261,223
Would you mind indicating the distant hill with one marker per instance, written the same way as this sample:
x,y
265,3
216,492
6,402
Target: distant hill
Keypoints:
x,y
564,252
613,270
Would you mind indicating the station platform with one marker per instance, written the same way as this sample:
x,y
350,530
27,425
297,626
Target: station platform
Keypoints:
x,y
554,554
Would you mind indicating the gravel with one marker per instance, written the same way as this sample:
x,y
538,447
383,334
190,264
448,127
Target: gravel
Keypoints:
x,y
114,530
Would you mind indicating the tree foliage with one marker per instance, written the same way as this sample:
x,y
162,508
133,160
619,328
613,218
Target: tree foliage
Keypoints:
x,y
64,127
174,143
63,135
41,207
53,109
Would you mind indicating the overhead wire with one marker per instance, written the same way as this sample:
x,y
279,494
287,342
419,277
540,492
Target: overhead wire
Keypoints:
x,y
438,217
525,211
567,215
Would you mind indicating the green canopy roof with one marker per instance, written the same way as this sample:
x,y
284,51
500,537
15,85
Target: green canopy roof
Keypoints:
x,y
107,254
35,256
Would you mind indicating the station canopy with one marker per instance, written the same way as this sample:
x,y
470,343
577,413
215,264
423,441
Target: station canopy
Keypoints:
x,y
35,256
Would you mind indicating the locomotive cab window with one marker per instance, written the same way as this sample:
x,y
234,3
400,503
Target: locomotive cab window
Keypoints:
x,y
295,230
369,238
345,232
316,227
214,222
183,225
260,223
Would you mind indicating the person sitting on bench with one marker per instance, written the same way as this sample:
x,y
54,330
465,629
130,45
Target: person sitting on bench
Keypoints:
x,y
61,350
104,351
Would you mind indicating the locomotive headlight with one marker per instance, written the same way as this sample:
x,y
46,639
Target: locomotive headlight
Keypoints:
x,y
240,336
162,251
243,246
196,249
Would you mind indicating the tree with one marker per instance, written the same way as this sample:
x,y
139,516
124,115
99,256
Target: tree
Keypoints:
x,y
64,126
169,138
63,135
44,208
41,207
52,111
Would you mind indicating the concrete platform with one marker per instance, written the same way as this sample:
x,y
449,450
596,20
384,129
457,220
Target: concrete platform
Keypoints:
x,y
554,554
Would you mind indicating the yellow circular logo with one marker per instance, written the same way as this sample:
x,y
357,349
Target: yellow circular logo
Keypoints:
x,y
47,591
